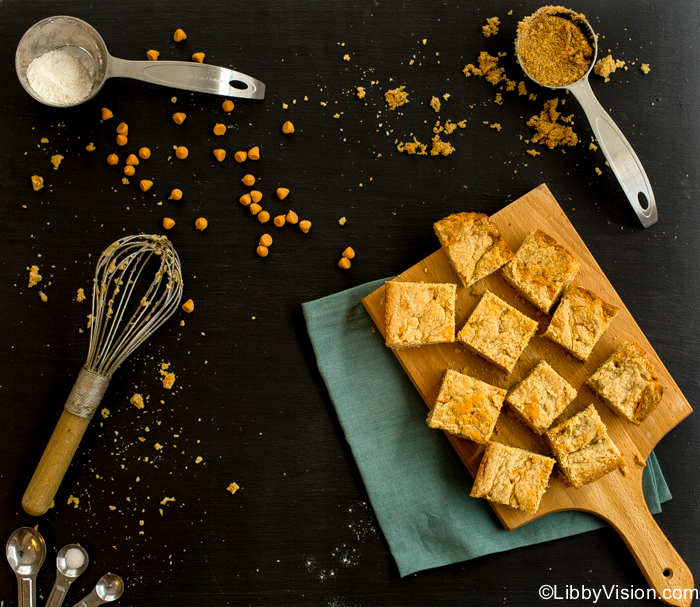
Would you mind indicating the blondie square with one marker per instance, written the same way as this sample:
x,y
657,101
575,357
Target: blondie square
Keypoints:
x,y
497,331
540,270
541,397
583,448
473,245
466,407
513,477
628,383
579,320
419,313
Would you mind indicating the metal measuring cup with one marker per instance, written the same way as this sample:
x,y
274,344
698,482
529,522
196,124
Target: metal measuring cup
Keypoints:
x,y
77,37
618,151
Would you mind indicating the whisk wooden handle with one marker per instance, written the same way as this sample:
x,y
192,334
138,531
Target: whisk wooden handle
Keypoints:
x,y
54,463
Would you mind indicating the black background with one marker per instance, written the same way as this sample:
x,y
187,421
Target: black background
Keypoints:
x,y
249,399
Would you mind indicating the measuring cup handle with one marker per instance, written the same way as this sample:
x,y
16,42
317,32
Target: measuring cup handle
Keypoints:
x,y
198,77
619,153
26,591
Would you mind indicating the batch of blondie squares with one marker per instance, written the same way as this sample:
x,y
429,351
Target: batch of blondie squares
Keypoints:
x,y
542,272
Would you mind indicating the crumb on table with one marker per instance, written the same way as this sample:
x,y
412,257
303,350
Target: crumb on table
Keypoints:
x,y
232,488
34,276
645,68
56,161
548,131
361,92
137,401
81,295
37,182
435,103
396,97
491,27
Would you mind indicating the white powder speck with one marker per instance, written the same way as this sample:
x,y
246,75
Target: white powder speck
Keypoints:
x,y
60,78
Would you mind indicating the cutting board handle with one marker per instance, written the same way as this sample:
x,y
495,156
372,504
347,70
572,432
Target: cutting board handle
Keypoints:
x,y
662,566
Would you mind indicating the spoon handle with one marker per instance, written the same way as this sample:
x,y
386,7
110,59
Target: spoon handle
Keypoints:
x,y
91,600
198,77
59,590
621,157
26,591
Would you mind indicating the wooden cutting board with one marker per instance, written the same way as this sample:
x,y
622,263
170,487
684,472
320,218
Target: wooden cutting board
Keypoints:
x,y
617,497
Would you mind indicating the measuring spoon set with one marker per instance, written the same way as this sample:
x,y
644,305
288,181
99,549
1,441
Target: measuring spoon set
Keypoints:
x,y
26,551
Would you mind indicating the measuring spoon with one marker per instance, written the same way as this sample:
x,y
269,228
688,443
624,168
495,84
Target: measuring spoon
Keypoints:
x,y
621,157
81,40
66,575
25,552
108,588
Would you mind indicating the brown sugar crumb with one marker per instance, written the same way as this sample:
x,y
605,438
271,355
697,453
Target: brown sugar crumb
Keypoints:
x,y
435,104
169,381
73,500
532,97
105,412
440,147
56,161
137,401
37,182
522,90
499,99
598,171
81,296
491,27
90,147
533,152
396,97
639,461
548,131
361,92
34,276
43,296
553,49
496,126
606,66
415,147
593,147
645,68
232,488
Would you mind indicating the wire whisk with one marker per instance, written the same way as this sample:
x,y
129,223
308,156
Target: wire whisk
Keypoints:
x,y
119,323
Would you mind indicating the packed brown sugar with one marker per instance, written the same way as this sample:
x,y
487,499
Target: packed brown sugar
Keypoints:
x,y
553,49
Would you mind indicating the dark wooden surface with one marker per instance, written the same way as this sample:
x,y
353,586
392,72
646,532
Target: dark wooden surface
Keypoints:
x,y
249,399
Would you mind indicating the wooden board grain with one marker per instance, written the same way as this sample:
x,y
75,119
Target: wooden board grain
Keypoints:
x,y
618,496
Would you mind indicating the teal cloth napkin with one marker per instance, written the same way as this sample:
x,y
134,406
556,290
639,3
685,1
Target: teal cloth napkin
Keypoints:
x,y
417,484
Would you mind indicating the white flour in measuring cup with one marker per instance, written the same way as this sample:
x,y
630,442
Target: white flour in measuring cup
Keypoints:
x,y
60,78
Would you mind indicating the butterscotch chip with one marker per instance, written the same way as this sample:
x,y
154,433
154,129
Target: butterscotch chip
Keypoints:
x,y
579,321
541,397
305,226
112,159
344,263
245,200
419,313
263,217
188,306
292,217
349,253
280,220
106,113
248,180
540,270
168,223
265,240
129,170
145,185
132,159
198,57
122,140
179,35
240,156
282,193
219,154
628,383
254,208
145,153
497,331
227,105
262,251
123,128
201,223
513,477
219,129
254,153
466,407
175,195
256,195
583,448
152,55
179,117
181,152
473,245
288,128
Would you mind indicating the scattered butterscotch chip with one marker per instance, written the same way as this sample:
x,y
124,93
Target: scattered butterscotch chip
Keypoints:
x,y
34,276
188,306
198,57
282,193
90,147
280,220
145,185
179,117
240,156
37,182
256,195
152,55
123,128
137,401
248,180
292,217
81,295
344,263
245,200
396,97
219,154
122,140
305,226
287,128
263,217
181,152
435,104
56,161
175,195
645,68
179,35
129,170
113,159
262,251
265,240
232,488
254,153
169,381
107,113
219,129
349,253
491,27
132,159
227,105
201,223
254,208
168,223
144,153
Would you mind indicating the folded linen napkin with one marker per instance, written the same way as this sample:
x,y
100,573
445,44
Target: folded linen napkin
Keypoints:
x,y
418,486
